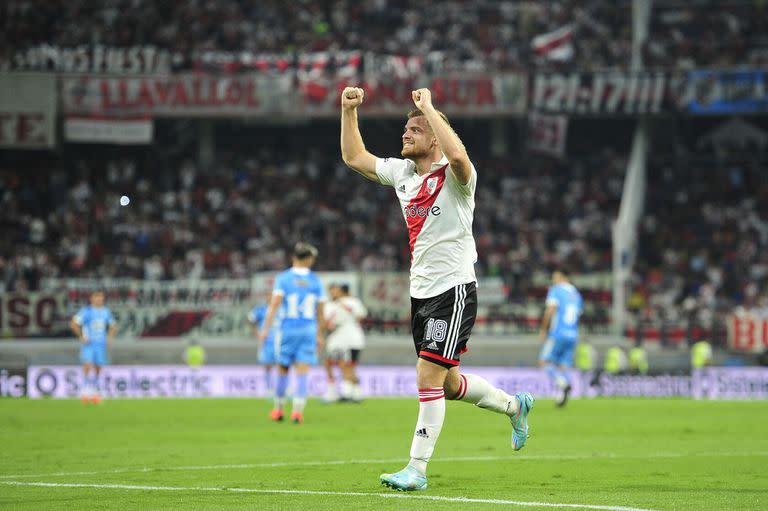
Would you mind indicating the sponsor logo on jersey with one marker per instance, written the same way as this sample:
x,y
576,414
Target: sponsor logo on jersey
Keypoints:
x,y
421,212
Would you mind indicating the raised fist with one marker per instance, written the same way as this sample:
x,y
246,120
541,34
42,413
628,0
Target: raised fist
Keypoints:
x,y
352,97
422,98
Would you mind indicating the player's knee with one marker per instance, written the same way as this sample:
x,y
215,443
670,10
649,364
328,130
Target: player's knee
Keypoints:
x,y
451,390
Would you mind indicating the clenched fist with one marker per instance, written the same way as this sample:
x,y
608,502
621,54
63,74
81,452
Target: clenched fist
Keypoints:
x,y
422,98
352,97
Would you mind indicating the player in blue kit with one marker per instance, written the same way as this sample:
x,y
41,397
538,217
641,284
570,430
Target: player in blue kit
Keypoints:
x,y
95,326
298,295
267,349
560,331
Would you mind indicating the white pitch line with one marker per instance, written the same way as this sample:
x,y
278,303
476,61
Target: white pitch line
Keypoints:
x,y
279,464
465,500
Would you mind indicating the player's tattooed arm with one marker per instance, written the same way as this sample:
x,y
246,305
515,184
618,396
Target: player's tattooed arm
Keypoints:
x,y
353,150
449,141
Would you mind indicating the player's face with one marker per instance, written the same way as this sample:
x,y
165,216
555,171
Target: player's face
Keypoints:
x,y
418,138
97,299
335,292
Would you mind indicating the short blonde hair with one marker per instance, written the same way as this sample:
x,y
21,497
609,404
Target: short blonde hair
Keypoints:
x,y
418,113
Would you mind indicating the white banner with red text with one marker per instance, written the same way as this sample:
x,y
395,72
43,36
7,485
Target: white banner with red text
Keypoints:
x,y
748,333
40,314
27,110
193,95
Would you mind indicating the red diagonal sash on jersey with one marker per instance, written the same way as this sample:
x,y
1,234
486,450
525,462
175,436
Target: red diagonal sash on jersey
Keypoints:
x,y
423,202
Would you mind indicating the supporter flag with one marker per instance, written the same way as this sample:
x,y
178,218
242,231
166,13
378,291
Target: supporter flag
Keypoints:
x,y
547,133
556,45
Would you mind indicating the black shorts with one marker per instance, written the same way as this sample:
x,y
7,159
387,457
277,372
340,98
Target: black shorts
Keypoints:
x,y
442,324
351,356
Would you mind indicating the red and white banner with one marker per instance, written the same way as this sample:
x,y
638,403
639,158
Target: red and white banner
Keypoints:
x,y
27,110
176,95
461,96
748,333
109,131
32,314
547,133
192,95
556,45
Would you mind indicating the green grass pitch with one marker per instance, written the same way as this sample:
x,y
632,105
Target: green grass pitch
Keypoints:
x,y
226,454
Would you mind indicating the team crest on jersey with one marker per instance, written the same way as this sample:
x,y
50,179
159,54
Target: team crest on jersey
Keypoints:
x,y
431,185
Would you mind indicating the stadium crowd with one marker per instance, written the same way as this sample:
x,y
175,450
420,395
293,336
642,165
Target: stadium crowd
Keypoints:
x,y
457,35
704,237
195,222
703,240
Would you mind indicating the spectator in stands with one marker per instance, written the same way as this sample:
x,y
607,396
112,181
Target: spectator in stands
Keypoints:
x,y
237,35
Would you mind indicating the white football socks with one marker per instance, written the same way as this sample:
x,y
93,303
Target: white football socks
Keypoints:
x,y
357,394
346,389
298,404
476,390
331,394
428,426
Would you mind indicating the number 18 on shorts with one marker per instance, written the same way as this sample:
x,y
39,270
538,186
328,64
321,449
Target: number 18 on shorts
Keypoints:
x,y
442,324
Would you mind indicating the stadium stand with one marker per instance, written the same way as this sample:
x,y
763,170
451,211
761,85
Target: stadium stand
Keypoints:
x,y
190,218
467,36
185,220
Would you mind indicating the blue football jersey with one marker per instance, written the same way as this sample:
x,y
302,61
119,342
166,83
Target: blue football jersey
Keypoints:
x,y
259,314
565,323
95,323
301,290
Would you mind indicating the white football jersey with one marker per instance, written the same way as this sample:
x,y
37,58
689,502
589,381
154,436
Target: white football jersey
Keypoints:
x,y
343,317
438,211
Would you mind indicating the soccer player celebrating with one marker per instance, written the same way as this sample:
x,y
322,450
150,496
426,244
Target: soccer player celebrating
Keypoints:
x,y
345,342
298,294
95,326
560,332
267,356
435,185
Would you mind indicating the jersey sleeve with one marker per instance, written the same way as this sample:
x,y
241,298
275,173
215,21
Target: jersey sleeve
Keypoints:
x,y
469,188
319,290
80,317
360,310
261,313
387,168
281,285
329,311
110,318
552,298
